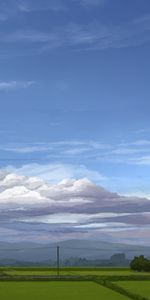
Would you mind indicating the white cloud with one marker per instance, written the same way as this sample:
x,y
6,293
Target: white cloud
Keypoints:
x,y
20,194
26,149
69,193
71,147
13,85
67,218
70,207
111,226
54,172
76,151
127,151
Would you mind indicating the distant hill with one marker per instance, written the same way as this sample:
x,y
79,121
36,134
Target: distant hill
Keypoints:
x,y
32,252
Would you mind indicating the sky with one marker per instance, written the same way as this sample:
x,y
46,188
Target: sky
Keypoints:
x,y
74,92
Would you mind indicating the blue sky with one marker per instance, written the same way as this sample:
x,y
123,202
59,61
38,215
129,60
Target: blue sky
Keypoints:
x,y
74,91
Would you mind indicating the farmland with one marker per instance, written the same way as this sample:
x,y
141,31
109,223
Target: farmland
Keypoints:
x,y
29,271
73,283
56,291
141,288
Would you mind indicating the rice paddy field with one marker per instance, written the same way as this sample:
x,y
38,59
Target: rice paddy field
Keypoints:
x,y
56,291
141,288
71,271
27,283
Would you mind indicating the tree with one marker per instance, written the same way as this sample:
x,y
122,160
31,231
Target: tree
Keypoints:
x,y
140,263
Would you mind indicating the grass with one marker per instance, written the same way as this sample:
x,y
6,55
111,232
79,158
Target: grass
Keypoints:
x,y
56,291
72,271
74,283
29,273
141,288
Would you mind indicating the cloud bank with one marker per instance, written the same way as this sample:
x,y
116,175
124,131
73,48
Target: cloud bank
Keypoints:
x,y
31,209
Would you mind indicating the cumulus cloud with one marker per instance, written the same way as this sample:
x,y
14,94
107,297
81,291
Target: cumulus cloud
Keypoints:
x,y
70,207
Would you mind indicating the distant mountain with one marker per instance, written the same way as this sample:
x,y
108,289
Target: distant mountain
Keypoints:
x,y
31,252
99,249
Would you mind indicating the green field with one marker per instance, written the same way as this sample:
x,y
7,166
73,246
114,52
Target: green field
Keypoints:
x,y
73,283
141,288
56,291
38,272
72,271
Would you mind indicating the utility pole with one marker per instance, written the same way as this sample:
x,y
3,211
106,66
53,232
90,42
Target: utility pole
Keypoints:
x,y
58,266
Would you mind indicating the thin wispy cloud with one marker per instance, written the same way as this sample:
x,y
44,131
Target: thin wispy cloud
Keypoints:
x,y
39,5
14,85
27,36
72,147
27,149
11,9
92,3
91,36
55,172
135,152
128,151
142,143
141,160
